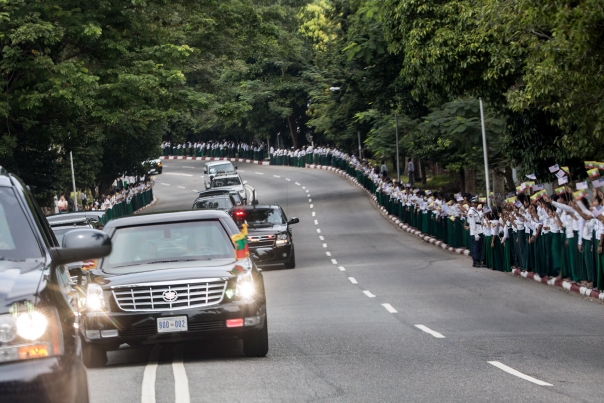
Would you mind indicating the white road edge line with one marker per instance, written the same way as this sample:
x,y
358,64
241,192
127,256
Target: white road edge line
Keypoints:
x,y
369,294
353,280
430,331
341,268
148,384
512,371
181,382
389,308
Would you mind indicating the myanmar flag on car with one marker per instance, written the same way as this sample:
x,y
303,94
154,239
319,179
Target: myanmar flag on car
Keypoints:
x,y
240,240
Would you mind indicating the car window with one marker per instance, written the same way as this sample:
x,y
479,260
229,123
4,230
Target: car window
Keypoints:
x,y
17,238
222,167
219,182
260,216
135,249
213,203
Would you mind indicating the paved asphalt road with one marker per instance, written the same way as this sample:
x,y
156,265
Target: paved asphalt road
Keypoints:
x,y
343,325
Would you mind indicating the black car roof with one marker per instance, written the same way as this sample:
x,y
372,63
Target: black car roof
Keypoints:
x,y
160,218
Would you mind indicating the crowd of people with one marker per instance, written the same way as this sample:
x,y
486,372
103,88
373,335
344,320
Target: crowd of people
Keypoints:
x,y
556,236
216,149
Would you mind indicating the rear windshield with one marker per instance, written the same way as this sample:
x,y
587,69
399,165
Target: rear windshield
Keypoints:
x,y
219,182
270,216
17,239
136,249
221,168
223,203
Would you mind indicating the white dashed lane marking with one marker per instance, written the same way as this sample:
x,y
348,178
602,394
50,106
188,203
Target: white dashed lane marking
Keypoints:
x,y
341,268
313,213
519,374
328,253
310,205
318,230
276,176
165,184
316,222
310,200
321,237
304,187
353,280
176,174
259,173
287,179
325,245
181,187
333,261
297,183
430,331
184,166
389,308
369,294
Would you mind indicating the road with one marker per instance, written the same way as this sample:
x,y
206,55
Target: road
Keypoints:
x,y
371,314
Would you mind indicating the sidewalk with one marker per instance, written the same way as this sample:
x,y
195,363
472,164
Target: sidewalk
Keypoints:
x,y
554,282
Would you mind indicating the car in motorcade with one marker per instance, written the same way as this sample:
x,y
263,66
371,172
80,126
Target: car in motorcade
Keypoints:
x,y
217,200
153,166
211,168
40,347
173,277
229,181
270,237
92,216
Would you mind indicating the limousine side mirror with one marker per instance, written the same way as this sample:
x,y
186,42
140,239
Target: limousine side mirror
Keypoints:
x,y
205,169
235,167
82,244
293,220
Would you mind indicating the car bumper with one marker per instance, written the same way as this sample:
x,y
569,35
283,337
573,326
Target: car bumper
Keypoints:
x,y
114,328
263,255
52,379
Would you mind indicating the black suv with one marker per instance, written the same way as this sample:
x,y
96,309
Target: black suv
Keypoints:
x,y
270,238
217,200
40,347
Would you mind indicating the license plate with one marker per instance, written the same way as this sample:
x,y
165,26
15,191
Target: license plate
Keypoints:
x,y
172,324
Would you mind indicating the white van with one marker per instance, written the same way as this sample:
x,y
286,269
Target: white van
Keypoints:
x,y
210,169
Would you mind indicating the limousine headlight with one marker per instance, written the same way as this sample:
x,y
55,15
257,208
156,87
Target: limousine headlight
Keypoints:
x,y
245,285
94,298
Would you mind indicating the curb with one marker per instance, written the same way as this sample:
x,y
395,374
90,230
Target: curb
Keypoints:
x,y
554,282
153,202
180,157
395,220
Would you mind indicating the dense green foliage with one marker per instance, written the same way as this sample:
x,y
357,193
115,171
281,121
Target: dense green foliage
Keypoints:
x,y
109,80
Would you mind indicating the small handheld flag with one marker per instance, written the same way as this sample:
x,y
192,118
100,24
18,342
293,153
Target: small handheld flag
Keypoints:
x,y
241,247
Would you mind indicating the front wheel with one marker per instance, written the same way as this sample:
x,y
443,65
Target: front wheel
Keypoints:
x,y
255,342
93,356
291,263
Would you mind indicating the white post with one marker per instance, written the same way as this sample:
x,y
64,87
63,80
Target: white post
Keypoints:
x,y
359,133
398,169
485,152
75,195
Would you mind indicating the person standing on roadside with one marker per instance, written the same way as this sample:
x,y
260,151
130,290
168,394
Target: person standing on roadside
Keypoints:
x,y
411,172
475,219
62,204
384,169
70,204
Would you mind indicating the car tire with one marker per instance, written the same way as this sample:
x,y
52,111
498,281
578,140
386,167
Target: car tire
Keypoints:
x,y
255,342
93,356
159,171
291,263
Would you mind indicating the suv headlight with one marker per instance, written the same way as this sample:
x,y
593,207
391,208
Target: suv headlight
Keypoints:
x,y
245,286
282,239
27,333
94,298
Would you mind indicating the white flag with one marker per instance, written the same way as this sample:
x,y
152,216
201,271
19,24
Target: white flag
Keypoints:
x,y
562,180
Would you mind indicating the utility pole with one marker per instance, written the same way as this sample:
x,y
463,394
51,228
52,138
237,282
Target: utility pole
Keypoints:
x,y
359,133
75,195
398,167
485,152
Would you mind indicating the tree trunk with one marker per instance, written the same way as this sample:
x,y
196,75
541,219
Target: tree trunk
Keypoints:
x,y
470,181
291,132
422,168
509,179
498,186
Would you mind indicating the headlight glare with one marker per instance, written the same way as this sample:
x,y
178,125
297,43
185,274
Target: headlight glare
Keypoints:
x,y
282,239
94,298
31,325
245,286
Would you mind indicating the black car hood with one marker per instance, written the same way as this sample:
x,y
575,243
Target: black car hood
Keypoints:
x,y
19,281
175,271
275,229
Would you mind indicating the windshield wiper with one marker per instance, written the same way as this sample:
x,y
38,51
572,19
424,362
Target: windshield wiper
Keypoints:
x,y
173,261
